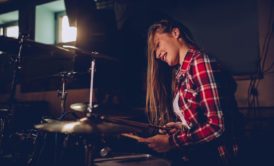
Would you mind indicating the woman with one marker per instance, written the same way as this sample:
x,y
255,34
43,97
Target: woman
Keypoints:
x,y
193,87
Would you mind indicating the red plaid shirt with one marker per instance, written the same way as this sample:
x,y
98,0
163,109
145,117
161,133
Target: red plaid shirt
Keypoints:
x,y
198,100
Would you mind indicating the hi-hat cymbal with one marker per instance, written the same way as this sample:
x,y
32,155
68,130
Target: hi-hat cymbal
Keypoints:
x,y
84,126
82,107
60,75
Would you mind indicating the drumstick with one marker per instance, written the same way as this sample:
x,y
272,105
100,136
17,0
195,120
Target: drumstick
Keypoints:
x,y
133,123
137,138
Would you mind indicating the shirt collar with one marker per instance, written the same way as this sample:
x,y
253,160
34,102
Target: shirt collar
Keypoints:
x,y
184,67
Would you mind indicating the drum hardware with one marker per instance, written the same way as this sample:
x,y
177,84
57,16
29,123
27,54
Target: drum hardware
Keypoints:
x,y
124,157
89,154
39,145
92,54
85,126
80,127
95,126
92,70
96,123
105,151
82,107
63,93
90,128
17,67
4,113
8,44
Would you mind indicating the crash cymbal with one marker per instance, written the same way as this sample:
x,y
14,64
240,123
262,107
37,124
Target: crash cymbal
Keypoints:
x,y
67,127
48,47
11,45
84,126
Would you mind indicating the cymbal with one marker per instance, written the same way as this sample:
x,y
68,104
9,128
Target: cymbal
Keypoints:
x,y
52,48
92,54
84,126
82,107
11,45
62,74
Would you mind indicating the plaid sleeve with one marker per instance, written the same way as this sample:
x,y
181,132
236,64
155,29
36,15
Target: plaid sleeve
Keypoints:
x,y
209,103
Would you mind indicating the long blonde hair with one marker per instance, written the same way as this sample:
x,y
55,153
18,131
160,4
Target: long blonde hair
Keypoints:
x,y
160,81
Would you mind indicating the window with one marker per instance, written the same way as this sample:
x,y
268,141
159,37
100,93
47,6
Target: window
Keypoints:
x,y
1,31
9,24
52,25
65,33
12,31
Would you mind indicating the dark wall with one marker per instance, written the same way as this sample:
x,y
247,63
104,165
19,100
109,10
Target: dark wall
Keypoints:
x,y
227,29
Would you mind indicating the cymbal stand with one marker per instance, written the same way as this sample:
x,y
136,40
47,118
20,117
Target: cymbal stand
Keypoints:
x,y
63,93
92,70
16,69
89,153
88,146
5,129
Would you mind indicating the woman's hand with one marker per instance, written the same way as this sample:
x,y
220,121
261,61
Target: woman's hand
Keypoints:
x,y
159,143
174,127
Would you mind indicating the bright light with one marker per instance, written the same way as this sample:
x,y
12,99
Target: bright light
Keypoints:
x,y
68,33
13,31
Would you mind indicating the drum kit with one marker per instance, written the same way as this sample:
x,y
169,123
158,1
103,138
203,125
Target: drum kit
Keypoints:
x,y
90,130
